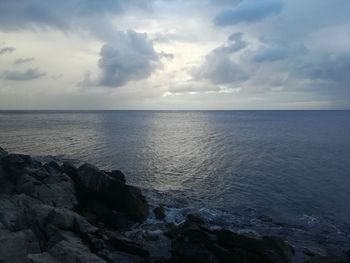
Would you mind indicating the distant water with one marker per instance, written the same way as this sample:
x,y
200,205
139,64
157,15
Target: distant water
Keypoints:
x,y
290,165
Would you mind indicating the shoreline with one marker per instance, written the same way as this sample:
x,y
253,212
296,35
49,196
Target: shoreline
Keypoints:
x,y
54,213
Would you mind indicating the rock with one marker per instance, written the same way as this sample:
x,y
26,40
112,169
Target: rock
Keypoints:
x,y
112,193
11,209
123,244
193,242
2,152
41,258
323,259
15,246
159,212
119,257
118,175
50,188
65,251
16,164
195,219
152,235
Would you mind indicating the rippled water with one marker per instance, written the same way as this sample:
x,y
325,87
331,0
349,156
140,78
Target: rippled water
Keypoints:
x,y
291,165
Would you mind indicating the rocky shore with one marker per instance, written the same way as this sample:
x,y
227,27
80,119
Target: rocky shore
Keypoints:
x,y
51,212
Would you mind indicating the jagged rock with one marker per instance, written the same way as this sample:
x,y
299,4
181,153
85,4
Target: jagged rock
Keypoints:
x,y
15,246
16,164
12,207
111,193
124,244
50,188
2,152
159,212
65,251
192,242
118,175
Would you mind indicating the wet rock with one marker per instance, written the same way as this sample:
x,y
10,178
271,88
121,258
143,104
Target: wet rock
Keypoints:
x,y
195,219
159,212
194,242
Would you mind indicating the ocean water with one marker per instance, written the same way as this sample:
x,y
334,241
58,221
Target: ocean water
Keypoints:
x,y
292,166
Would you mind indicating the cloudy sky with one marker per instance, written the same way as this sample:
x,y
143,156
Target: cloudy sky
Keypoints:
x,y
175,54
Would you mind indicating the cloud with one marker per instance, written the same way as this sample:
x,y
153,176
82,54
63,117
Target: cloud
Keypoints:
x,y
131,56
23,61
277,50
24,14
326,67
249,11
219,67
6,50
29,74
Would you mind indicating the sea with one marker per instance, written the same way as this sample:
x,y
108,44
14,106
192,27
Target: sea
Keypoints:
x,y
283,173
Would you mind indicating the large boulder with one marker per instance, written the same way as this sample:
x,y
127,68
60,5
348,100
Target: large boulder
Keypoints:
x,y
65,251
49,186
16,164
193,242
105,194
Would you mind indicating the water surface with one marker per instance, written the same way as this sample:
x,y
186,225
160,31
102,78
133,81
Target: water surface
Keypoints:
x,y
288,164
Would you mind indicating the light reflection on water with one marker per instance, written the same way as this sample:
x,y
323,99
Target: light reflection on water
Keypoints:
x,y
285,163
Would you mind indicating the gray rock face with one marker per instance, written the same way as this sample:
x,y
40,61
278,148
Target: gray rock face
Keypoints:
x,y
15,246
38,211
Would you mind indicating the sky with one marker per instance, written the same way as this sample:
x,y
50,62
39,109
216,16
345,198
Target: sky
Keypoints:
x,y
175,54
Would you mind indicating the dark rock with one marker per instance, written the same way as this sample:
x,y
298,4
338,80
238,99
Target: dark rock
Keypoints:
x,y
16,164
119,257
112,193
123,244
2,152
195,219
65,251
41,258
56,190
193,242
118,175
15,246
159,212
322,259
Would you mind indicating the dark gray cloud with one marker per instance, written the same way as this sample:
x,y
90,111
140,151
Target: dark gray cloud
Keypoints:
x,y
29,74
23,61
21,14
131,56
6,50
249,11
277,50
326,67
219,67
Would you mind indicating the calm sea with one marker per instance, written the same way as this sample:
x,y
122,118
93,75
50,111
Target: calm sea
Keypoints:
x,y
288,164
